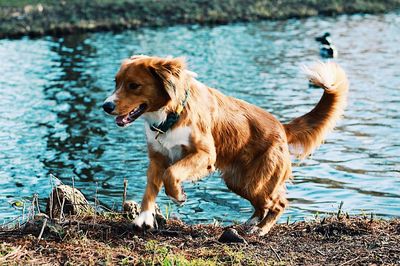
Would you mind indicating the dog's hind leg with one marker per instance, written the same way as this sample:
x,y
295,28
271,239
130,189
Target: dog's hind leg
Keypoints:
x,y
236,187
264,186
257,216
267,209
275,206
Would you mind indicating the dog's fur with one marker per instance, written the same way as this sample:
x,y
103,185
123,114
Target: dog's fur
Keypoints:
x,y
248,145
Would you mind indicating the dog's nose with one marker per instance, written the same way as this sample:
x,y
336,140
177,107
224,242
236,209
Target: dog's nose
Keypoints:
x,y
109,107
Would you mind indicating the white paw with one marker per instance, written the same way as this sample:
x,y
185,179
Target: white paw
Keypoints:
x,y
145,220
254,230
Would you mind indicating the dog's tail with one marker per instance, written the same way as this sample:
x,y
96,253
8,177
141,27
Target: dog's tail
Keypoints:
x,y
307,132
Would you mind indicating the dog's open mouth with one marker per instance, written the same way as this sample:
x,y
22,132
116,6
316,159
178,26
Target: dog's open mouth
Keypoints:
x,y
124,120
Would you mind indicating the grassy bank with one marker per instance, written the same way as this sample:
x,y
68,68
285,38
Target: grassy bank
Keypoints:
x,y
50,17
113,241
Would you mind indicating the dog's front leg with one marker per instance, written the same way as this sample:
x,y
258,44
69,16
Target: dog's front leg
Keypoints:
x,y
194,166
154,182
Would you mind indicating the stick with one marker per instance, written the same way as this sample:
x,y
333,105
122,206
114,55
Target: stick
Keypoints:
x,y
62,209
51,203
319,252
276,254
125,189
73,191
95,203
37,202
41,231
347,262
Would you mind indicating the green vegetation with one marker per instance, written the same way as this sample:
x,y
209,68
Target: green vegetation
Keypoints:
x,y
39,17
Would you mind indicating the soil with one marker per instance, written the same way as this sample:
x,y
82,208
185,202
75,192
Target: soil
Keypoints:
x,y
110,240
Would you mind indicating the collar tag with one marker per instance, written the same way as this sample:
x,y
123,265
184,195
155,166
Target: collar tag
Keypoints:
x,y
179,109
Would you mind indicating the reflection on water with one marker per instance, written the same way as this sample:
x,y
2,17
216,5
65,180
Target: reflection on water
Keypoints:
x,y
51,121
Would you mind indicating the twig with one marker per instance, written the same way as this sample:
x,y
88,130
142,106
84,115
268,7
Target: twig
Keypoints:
x,y
23,212
62,209
73,191
95,203
319,252
51,203
276,254
125,189
347,262
41,231
339,210
37,203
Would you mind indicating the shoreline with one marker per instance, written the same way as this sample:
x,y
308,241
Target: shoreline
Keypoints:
x,y
72,230
36,18
113,241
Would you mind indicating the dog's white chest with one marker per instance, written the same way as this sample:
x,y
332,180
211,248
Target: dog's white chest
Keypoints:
x,y
169,144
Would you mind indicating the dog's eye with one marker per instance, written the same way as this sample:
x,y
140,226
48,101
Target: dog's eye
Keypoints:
x,y
133,86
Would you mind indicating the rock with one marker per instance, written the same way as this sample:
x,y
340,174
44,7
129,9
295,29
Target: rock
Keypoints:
x,y
69,201
41,221
131,207
230,235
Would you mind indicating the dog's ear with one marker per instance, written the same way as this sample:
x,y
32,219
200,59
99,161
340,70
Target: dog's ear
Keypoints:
x,y
168,71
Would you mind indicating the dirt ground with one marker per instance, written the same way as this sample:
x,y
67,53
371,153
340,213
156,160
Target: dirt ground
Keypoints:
x,y
113,241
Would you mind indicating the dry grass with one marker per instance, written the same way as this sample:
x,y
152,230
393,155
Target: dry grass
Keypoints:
x,y
113,240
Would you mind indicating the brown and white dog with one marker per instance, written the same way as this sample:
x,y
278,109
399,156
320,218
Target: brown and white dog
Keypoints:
x,y
192,130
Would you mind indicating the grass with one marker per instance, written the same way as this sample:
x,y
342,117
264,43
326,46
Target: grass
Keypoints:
x,y
23,3
73,16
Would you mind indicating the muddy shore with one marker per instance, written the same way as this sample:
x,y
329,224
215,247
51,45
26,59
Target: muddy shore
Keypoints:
x,y
37,18
113,241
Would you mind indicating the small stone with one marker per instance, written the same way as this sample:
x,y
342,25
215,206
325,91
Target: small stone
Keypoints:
x,y
230,235
131,207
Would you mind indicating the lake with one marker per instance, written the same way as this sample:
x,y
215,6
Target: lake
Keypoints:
x,y
52,122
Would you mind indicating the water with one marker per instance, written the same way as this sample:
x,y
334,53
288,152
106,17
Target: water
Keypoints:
x,y
52,123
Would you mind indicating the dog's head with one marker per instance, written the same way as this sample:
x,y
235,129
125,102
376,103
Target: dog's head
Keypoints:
x,y
145,84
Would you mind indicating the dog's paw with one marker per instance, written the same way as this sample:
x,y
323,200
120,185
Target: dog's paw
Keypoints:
x,y
177,197
180,200
253,230
146,220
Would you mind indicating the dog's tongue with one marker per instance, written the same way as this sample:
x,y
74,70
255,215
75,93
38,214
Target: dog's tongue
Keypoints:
x,y
122,120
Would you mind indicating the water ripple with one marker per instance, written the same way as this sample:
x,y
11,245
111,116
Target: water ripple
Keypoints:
x,y
51,120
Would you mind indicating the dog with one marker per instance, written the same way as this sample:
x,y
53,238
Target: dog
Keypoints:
x,y
192,130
